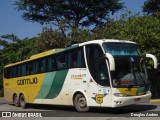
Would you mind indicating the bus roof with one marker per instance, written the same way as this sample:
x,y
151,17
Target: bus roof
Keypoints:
x,y
100,41
43,54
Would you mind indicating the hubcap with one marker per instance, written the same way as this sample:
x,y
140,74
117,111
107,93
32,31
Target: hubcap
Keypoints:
x,y
16,100
22,101
82,102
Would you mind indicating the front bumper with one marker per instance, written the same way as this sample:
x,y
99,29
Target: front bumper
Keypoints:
x,y
124,101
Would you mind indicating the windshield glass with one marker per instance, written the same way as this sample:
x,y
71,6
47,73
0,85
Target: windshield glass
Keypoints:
x,y
129,72
116,49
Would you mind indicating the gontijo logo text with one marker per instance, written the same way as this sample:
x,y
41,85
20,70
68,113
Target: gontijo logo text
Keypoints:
x,y
27,81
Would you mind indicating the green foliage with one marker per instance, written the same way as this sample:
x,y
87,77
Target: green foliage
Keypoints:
x,y
151,6
49,39
66,14
13,50
79,36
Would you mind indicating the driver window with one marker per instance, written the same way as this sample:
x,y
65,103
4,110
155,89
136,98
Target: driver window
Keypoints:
x,y
93,52
102,73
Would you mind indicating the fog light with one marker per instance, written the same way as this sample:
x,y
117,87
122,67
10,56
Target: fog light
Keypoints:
x,y
118,102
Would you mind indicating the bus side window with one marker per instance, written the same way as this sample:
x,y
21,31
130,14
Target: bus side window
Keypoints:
x,y
41,65
72,59
44,67
11,72
29,68
19,70
40,69
14,71
49,60
7,72
80,58
93,52
76,58
34,67
54,64
62,61
23,69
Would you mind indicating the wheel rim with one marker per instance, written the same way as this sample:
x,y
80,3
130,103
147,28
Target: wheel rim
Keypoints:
x,y
15,100
22,101
82,102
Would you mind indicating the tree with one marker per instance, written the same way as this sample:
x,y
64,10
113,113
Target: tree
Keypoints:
x,y
151,6
67,14
13,49
49,39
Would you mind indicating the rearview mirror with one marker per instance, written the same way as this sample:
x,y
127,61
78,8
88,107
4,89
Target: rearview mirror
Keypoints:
x,y
111,61
154,59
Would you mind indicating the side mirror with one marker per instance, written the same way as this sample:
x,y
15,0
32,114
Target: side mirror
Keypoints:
x,y
111,61
154,60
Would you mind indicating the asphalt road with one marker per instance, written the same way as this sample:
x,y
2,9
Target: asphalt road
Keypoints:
x,y
66,112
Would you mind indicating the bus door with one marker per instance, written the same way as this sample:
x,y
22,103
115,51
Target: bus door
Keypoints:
x,y
99,73
103,80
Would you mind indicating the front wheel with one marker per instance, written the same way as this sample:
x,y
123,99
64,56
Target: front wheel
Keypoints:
x,y
80,103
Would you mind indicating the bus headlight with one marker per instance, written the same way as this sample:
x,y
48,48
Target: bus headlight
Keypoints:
x,y
120,95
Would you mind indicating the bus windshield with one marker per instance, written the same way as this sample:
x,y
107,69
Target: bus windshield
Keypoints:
x,y
117,49
129,72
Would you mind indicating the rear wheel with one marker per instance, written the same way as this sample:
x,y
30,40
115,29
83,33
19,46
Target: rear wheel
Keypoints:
x,y
22,101
80,103
16,100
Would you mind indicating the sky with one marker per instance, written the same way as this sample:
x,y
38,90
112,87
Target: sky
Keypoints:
x,y
11,21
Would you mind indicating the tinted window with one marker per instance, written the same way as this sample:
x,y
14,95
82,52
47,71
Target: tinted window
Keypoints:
x,y
69,59
23,69
102,73
92,53
76,58
34,67
15,71
121,49
52,64
61,61
19,70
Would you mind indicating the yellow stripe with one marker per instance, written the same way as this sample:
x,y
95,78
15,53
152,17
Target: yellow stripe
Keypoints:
x,y
128,91
76,78
29,90
155,101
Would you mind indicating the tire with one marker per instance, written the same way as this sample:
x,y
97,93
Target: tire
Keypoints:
x,y
22,101
80,103
16,100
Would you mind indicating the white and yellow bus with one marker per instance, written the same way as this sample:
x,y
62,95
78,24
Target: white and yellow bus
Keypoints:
x,y
98,73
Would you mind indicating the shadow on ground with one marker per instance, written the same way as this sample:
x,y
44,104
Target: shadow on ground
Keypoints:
x,y
68,111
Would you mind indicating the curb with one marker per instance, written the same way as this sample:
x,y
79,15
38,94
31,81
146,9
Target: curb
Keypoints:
x,y
154,101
